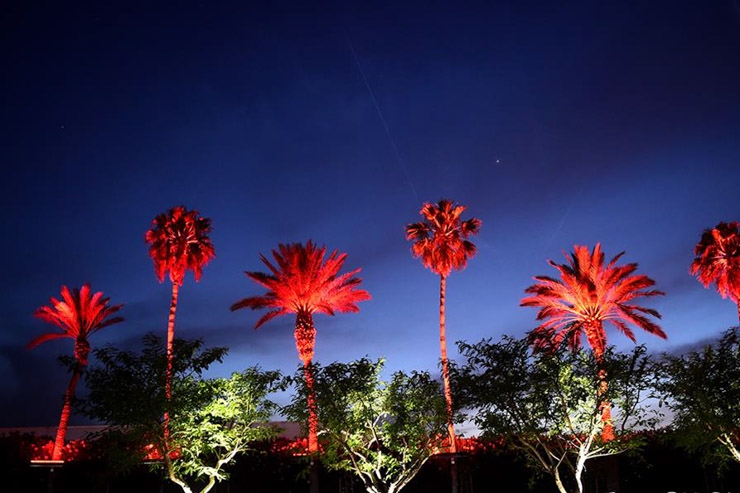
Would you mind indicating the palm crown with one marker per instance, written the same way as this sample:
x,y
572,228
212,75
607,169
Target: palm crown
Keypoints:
x,y
178,241
303,281
718,259
79,314
441,240
588,294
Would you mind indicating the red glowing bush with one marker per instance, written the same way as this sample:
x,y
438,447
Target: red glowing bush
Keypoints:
x,y
73,450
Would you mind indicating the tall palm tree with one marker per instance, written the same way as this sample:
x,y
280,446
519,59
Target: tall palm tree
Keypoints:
x,y
79,314
718,260
178,242
441,241
304,282
587,295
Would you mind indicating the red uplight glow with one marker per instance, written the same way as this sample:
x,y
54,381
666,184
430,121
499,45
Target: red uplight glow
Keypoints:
x,y
718,260
178,242
71,451
441,241
587,295
304,282
79,314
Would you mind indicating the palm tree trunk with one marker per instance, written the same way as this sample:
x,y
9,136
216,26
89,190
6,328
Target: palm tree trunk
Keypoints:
x,y
446,379
607,433
170,353
305,338
66,410
597,347
313,428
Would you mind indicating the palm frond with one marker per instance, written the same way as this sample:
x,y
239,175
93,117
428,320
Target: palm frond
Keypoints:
x,y
441,240
79,314
178,241
304,279
589,294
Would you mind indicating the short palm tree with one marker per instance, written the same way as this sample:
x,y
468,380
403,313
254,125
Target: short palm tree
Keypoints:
x,y
718,260
304,282
441,241
587,295
178,242
79,314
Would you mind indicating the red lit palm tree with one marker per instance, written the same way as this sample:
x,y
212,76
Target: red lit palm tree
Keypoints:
x,y
304,282
718,260
587,295
441,241
79,314
178,242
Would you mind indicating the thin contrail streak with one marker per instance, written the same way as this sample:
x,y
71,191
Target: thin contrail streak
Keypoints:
x,y
562,221
382,118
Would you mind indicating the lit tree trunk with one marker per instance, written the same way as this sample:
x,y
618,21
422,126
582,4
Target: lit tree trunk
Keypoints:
x,y
446,379
580,465
66,410
726,440
305,337
313,429
595,340
170,353
559,482
607,433
313,441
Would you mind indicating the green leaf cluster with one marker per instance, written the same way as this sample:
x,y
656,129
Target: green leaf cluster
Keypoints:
x,y
383,432
548,404
211,420
702,389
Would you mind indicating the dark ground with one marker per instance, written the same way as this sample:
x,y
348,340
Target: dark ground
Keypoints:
x,y
660,468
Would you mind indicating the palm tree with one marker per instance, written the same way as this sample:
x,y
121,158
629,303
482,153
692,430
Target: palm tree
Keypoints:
x,y
718,260
441,241
178,242
304,282
587,295
79,314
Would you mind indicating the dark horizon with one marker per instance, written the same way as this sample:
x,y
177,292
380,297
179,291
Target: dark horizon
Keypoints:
x,y
554,124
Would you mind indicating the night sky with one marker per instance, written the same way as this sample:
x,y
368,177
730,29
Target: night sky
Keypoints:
x,y
555,122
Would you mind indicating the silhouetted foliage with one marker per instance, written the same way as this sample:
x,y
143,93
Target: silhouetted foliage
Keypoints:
x,y
702,388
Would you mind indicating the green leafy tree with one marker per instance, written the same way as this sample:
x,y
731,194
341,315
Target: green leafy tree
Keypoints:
x,y
383,432
211,421
547,405
702,388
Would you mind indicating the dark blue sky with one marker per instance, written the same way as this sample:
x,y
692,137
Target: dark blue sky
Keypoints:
x,y
555,122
